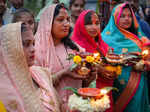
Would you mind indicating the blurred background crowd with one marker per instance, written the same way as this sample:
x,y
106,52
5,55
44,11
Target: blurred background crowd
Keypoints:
x,y
102,7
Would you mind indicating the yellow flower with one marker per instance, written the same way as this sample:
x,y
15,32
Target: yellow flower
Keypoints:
x,y
119,70
116,69
2,108
110,68
77,59
89,59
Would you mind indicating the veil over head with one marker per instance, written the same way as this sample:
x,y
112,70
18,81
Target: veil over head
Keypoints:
x,y
16,82
82,38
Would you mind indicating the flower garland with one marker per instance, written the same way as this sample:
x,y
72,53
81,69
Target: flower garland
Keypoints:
x,y
76,102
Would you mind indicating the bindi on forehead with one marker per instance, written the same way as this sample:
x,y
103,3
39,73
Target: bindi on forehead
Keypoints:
x,y
126,10
63,12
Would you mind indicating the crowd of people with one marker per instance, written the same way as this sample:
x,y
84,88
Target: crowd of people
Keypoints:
x,y
33,55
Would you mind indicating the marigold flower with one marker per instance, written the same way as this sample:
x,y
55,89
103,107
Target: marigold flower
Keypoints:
x,y
119,70
89,59
77,59
110,68
116,69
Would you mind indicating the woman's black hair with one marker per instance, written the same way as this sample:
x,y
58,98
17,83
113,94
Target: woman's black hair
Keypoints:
x,y
132,29
88,20
66,40
23,28
20,12
57,9
72,2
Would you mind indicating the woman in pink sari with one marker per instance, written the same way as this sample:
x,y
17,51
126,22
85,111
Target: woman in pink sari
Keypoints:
x,y
87,35
18,92
52,45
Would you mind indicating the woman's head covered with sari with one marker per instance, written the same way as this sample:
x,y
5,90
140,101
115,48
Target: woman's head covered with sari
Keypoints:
x,y
44,39
119,38
124,38
82,37
17,91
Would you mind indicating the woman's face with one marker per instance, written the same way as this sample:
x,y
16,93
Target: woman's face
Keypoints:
x,y
125,20
77,7
61,24
93,28
28,46
28,20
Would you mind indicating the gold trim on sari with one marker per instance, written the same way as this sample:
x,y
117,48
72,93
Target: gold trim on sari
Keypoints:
x,y
16,65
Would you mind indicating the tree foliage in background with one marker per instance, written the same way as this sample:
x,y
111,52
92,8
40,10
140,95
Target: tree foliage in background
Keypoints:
x,y
34,5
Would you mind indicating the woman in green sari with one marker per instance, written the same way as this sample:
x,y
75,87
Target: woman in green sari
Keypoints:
x,y
124,35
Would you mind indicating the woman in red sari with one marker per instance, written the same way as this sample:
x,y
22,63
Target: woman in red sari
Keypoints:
x,y
87,35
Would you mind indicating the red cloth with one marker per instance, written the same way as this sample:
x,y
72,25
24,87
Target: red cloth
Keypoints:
x,y
83,39
146,44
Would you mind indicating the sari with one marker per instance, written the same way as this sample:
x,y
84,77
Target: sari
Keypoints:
x,y
121,40
47,101
47,92
17,91
84,40
53,57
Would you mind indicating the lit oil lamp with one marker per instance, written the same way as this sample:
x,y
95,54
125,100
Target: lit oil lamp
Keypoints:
x,y
96,55
103,91
83,70
100,102
145,52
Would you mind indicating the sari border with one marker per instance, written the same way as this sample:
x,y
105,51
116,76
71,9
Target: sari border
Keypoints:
x,y
128,92
133,91
127,34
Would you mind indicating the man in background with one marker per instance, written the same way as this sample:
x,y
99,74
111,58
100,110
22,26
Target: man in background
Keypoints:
x,y
2,12
14,6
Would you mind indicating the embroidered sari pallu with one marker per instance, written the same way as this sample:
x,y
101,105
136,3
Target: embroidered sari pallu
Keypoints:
x,y
133,92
